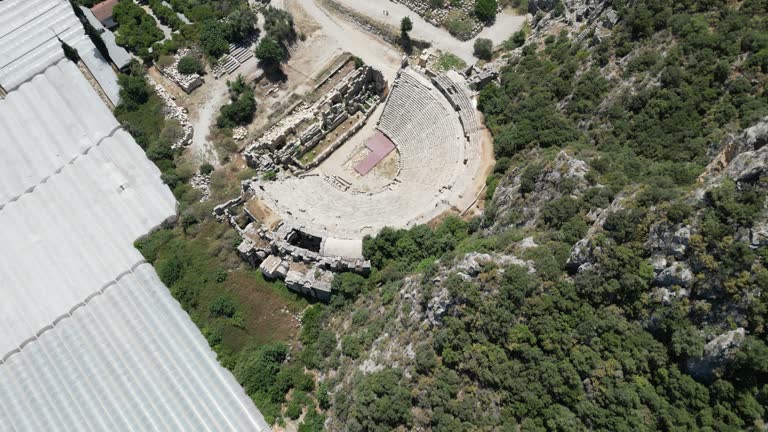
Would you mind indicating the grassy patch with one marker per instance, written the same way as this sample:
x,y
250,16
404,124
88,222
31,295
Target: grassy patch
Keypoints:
x,y
201,268
308,157
145,122
448,61
459,25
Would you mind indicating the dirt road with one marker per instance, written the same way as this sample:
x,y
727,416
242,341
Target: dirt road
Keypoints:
x,y
202,118
507,22
340,35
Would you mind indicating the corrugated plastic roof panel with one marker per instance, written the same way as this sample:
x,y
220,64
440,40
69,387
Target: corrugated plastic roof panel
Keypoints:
x,y
128,360
81,191
29,33
100,69
119,55
90,339
55,117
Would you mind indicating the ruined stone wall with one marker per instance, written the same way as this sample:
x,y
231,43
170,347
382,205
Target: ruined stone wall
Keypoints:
x,y
349,96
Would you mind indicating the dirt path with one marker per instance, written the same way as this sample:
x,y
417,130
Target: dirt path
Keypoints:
x,y
202,116
204,104
165,29
506,24
487,161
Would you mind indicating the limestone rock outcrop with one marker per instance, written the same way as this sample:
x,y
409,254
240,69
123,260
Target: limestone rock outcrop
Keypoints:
x,y
511,201
717,353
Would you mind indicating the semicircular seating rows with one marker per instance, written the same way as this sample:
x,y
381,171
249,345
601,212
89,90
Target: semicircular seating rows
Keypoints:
x,y
433,152
426,130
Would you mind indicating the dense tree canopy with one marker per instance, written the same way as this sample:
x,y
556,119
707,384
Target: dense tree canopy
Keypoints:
x,y
278,25
556,349
380,403
138,30
213,38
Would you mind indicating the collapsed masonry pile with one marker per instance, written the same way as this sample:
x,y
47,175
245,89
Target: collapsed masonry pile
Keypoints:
x,y
480,78
304,271
278,255
315,282
307,125
174,112
262,162
202,183
585,19
259,154
259,243
285,126
239,133
186,82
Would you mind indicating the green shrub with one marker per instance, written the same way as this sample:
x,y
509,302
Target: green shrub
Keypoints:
x,y
406,25
240,25
238,113
296,405
258,368
134,91
189,65
279,26
351,346
573,230
448,61
736,207
170,270
502,165
459,25
213,39
269,175
483,48
221,275
678,212
222,306
485,10
313,422
528,178
556,212
425,359
206,168
491,183
407,248
518,39
323,399
381,402
165,14
622,225
70,53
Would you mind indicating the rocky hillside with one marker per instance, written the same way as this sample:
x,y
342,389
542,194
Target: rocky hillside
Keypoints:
x,y
617,279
